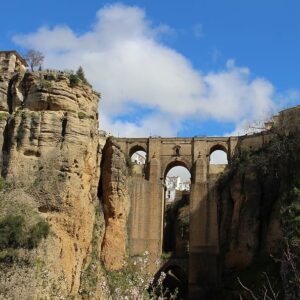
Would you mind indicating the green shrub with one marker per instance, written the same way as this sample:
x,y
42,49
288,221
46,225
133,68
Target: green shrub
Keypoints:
x,y
3,115
78,77
74,80
15,233
45,84
8,256
81,115
37,232
129,165
80,74
12,232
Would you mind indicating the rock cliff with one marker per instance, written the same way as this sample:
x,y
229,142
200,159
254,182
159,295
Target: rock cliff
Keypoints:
x,y
114,192
258,212
50,161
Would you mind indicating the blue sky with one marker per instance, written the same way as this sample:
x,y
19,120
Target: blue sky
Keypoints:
x,y
169,67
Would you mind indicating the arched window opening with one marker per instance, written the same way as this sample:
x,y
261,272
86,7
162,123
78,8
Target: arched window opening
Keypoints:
x,y
218,157
176,216
177,180
139,157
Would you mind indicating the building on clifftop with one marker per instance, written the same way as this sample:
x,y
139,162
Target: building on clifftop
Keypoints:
x,y
11,62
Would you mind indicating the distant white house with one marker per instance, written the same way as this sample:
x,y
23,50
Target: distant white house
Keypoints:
x,y
138,158
174,184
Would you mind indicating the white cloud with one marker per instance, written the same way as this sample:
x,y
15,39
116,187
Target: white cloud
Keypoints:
x,y
124,58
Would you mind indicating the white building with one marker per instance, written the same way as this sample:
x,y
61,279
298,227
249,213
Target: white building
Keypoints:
x,y
174,184
12,61
138,158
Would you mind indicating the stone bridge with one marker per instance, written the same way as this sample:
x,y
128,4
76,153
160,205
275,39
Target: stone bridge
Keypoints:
x,y
146,220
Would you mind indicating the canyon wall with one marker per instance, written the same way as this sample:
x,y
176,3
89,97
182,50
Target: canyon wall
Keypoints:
x,y
257,208
50,161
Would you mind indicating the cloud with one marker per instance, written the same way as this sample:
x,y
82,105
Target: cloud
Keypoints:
x,y
125,58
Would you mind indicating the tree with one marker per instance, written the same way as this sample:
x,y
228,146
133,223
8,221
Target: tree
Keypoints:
x,y
35,59
80,74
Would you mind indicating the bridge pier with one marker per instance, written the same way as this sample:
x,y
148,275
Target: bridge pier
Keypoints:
x,y
204,245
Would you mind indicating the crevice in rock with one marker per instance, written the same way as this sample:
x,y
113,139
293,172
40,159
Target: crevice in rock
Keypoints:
x,y
47,208
10,103
7,137
30,152
21,131
64,123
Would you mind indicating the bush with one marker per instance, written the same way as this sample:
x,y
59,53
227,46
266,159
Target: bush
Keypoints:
x,y
129,165
80,74
12,232
15,233
37,232
74,80
81,115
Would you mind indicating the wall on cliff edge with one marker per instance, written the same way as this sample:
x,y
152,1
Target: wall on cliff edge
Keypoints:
x,y
50,161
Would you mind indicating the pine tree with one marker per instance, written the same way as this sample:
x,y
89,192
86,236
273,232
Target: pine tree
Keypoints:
x,y
80,74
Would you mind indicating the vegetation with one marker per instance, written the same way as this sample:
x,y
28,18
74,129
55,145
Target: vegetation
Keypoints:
x,y
134,281
91,275
81,115
129,165
80,74
74,80
276,164
16,234
45,84
3,116
78,77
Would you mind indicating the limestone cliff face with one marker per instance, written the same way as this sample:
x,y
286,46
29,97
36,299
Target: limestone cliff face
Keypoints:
x,y
50,155
250,223
116,202
259,187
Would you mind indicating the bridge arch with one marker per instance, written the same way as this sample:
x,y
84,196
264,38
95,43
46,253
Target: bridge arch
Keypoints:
x,y
218,147
136,148
176,163
218,155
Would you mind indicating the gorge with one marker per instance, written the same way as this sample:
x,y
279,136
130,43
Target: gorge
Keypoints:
x,y
57,168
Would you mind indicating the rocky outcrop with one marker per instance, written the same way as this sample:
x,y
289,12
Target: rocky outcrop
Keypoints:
x,y
115,197
257,190
50,154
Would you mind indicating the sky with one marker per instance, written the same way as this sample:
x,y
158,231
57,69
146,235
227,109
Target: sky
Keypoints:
x,y
169,68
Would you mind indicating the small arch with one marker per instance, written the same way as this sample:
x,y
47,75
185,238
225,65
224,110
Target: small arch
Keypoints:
x,y
136,148
218,155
